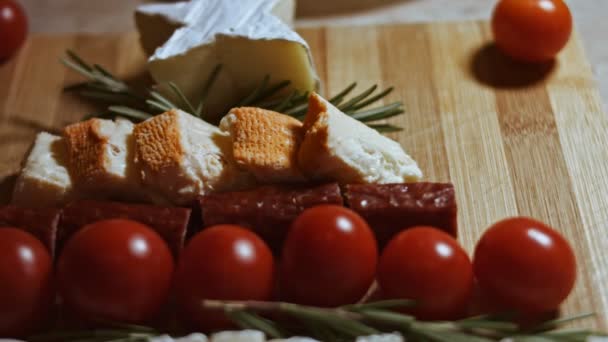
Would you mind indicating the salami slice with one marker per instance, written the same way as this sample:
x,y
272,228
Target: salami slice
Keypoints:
x,y
267,210
390,208
169,222
42,223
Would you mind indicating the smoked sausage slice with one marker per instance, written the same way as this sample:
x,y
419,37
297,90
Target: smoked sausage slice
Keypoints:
x,y
267,210
169,222
390,208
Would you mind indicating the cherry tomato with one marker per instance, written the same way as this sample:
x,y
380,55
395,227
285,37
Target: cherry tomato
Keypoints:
x,y
329,257
117,270
531,30
222,262
25,282
428,266
13,27
525,265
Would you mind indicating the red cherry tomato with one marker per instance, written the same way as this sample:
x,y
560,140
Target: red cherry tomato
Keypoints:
x,y
531,30
222,262
13,27
116,270
25,282
428,266
329,257
525,265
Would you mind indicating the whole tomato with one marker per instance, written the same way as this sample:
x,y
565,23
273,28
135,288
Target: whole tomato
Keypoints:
x,y
531,30
25,282
13,27
329,257
524,265
222,262
428,266
116,270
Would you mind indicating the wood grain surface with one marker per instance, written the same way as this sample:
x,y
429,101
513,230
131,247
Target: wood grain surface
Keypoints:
x,y
514,139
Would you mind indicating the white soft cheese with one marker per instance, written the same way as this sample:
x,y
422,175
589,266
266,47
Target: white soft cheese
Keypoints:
x,y
120,177
355,152
245,37
381,338
239,336
378,158
44,180
295,339
197,337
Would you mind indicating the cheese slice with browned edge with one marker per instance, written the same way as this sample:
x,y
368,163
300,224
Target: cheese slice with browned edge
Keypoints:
x,y
182,157
100,159
245,38
265,143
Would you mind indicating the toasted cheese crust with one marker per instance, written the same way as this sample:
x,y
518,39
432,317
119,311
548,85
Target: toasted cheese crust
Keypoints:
x,y
100,154
183,157
158,143
338,147
44,180
265,143
85,145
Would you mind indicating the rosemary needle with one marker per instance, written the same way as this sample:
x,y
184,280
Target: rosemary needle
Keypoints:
x,y
345,324
139,104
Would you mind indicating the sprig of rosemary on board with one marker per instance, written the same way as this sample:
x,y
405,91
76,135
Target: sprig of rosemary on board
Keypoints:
x,y
347,323
122,100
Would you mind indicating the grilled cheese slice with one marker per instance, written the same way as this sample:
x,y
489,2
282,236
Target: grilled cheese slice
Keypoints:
x,y
44,180
101,154
265,143
182,157
340,148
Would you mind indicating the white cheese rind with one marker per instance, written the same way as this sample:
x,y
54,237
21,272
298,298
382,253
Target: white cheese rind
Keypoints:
x,y
44,180
248,40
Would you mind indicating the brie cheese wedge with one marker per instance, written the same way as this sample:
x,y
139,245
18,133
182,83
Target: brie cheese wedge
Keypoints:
x,y
247,40
182,157
157,22
44,180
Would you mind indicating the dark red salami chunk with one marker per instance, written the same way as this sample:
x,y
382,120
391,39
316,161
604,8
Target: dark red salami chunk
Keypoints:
x,y
267,210
169,222
390,208
42,223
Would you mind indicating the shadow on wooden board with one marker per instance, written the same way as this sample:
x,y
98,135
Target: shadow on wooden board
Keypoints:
x,y
492,68
316,8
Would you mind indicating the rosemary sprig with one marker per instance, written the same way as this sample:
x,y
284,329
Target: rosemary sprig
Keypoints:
x,y
364,319
140,104
348,322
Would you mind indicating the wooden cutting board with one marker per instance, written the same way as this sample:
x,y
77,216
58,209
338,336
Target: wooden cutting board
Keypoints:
x,y
514,139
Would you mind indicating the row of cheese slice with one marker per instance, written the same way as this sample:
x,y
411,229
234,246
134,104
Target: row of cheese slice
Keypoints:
x,y
175,157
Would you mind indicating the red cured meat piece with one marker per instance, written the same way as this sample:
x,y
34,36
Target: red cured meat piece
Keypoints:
x,y
169,222
42,223
267,210
390,208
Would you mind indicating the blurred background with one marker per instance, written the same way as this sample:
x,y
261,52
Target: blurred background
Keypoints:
x,y
91,16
